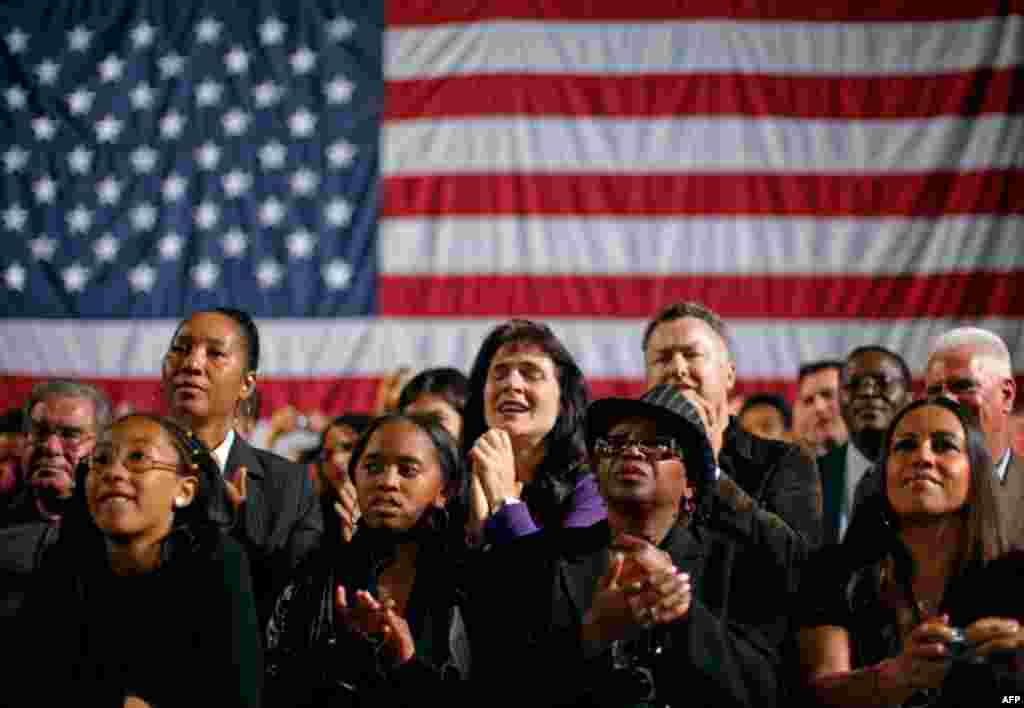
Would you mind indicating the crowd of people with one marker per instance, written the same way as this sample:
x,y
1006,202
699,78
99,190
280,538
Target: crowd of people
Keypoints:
x,y
498,537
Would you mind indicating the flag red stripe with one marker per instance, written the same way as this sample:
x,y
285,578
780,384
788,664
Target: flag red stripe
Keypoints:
x,y
657,95
918,195
428,12
826,296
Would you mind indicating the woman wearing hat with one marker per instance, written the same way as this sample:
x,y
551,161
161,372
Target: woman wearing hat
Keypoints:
x,y
677,599
144,600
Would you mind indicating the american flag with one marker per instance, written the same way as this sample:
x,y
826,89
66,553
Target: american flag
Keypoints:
x,y
380,185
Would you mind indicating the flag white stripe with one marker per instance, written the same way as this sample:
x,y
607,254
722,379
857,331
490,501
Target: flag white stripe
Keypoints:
x,y
698,246
810,48
365,347
719,145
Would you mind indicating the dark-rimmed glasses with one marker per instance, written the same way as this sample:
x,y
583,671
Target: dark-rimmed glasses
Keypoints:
x,y
71,438
661,448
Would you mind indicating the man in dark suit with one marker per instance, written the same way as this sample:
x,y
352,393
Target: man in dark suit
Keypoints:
x,y
679,598
874,384
972,366
686,345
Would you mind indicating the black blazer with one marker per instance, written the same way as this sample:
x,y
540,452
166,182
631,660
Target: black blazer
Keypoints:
x,y
528,599
281,520
780,476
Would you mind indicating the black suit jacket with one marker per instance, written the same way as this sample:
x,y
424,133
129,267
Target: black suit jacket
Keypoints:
x,y
780,476
528,599
281,520
832,467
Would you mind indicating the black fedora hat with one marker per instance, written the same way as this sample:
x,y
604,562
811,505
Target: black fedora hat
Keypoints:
x,y
673,413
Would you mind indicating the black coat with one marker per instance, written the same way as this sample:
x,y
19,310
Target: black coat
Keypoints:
x,y
780,476
527,602
281,522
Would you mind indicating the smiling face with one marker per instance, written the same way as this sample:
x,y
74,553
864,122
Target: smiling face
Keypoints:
x,y
133,483
398,477
522,395
205,370
630,479
690,355
927,470
873,391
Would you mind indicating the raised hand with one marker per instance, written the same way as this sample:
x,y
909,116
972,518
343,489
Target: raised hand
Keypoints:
x,y
238,488
347,508
378,623
494,465
995,634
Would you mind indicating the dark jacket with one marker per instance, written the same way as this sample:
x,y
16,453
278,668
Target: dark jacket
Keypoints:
x,y
780,476
281,523
527,602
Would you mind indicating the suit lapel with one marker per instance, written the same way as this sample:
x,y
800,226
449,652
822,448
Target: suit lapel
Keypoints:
x,y
832,468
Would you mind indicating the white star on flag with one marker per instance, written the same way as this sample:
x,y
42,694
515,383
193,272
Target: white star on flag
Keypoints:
x,y
208,155
144,159
17,41
338,213
302,123
266,94
272,155
237,60
236,183
144,217
170,246
340,154
300,244
79,39
111,69
207,215
80,160
14,276
75,277
339,90
171,125
108,128
79,219
272,31
208,93
108,190
44,128
80,101
269,273
47,72
337,274
45,189
302,60
205,274
43,248
208,30
142,35
174,187
15,159
340,28
16,97
142,278
235,121
234,243
142,97
304,182
106,248
171,65
15,217
271,212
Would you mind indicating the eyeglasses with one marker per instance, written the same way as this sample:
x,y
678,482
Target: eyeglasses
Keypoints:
x,y
135,461
661,448
70,437
879,381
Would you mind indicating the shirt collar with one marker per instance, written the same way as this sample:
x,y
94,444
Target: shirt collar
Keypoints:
x,y
1003,464
221,452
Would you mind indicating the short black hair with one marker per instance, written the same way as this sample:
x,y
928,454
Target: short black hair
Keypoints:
x,y
908,379
770,399
12,421
813,367
445,382
679,310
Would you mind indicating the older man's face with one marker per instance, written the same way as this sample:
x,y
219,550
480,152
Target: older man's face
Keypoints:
x,y
62,431
689,354
10,462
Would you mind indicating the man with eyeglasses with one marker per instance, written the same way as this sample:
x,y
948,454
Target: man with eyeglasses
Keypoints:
x,y
62,419
972,366
874,384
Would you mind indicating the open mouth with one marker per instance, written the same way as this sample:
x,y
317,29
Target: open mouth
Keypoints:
x,y
512,408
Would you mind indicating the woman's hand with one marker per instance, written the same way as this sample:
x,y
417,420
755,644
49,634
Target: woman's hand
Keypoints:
x,y
378,623
347,507
658,592
995,634
237,487
922,664
494,464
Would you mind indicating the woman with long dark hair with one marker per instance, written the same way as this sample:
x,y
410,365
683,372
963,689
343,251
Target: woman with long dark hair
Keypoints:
x,y
523,436
143,578
921,604
374,620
